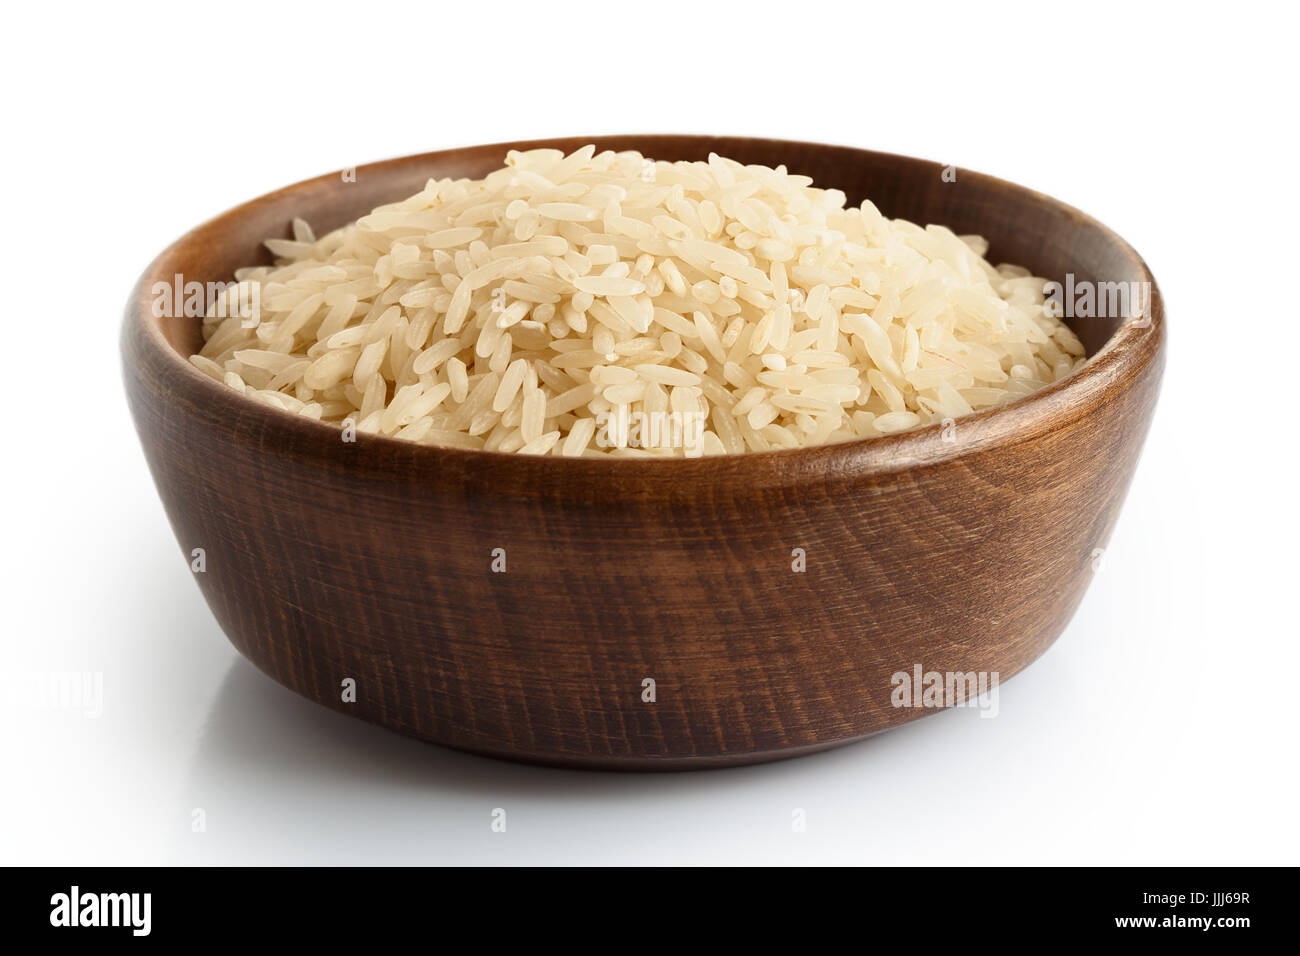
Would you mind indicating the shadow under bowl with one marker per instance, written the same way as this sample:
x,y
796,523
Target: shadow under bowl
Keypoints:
x,y
373,561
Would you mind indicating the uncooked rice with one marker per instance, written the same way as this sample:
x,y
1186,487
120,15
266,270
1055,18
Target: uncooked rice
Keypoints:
x,y
535,309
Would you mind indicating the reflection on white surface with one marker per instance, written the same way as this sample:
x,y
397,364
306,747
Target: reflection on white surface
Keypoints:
x,y
282,779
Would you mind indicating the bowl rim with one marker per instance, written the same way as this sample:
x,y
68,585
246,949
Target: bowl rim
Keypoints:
x,y
1129,352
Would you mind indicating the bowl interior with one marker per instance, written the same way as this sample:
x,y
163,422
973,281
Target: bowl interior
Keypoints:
x,y
1023,227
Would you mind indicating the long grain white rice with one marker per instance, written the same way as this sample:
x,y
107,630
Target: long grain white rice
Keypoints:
x,y
522,311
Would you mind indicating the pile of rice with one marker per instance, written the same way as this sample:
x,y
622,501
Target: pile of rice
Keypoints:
x,y
525,311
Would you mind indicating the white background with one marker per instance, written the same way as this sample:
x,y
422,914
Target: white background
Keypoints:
x,y
1160,729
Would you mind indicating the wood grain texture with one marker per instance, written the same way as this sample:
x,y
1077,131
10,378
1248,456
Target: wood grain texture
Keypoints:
x,y
371,560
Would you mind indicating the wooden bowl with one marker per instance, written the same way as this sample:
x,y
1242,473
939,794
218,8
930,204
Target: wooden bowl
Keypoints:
x,y
373,561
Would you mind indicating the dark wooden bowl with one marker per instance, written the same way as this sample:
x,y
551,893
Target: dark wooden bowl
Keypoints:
x,y
372,561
